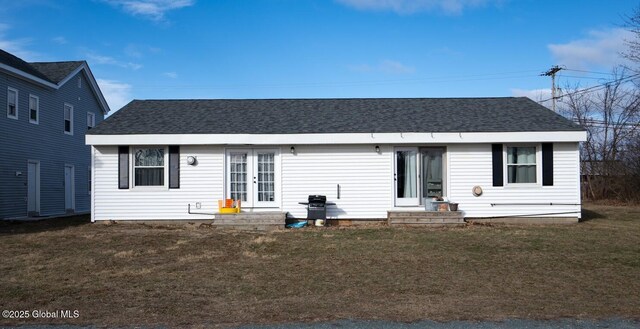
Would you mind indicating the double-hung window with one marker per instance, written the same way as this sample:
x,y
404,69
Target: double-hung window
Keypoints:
x,y
12,103
34,109
148,166
68,119
521,165
91,120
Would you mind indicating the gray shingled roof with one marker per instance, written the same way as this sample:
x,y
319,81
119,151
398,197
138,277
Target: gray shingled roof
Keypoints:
x,y
56,71
17,63
349,115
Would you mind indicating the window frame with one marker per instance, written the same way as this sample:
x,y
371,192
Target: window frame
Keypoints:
x,y
64,119
9,90
538,164
91,123
37,120
165,168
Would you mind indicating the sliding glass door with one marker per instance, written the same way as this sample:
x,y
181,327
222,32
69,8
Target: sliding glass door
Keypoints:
x,y
406,177
419,173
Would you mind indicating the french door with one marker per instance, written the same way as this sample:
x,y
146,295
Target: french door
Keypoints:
x,y
251,176
419,173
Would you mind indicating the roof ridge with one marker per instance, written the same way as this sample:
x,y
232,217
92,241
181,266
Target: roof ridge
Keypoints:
x,y
321,98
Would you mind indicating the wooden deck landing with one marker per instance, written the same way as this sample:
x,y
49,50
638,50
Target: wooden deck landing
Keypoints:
x,y
251,221
425,218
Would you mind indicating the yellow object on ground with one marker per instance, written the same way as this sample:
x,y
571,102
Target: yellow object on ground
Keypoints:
x,y
229,206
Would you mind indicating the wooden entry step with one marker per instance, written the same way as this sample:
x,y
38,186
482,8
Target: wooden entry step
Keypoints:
x,y
424,217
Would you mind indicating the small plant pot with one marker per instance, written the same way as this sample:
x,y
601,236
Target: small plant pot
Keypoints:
x,y
453,206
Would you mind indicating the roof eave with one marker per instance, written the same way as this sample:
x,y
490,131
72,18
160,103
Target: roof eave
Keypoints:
x,y
24,75
337,138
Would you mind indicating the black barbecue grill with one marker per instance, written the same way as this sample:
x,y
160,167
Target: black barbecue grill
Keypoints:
x,y
317,207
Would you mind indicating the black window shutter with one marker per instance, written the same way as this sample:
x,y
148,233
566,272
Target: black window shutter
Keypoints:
x,y
174,166
496,158
547,164
123,167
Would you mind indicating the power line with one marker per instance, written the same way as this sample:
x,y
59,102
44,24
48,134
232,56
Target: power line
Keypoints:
x,y
583,71
592,88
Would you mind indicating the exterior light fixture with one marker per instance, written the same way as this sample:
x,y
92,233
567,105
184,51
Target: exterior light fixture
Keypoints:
x,y
377,149
191,160
293,150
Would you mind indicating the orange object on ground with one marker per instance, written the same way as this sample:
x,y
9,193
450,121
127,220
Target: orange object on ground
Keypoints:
x,y
229,206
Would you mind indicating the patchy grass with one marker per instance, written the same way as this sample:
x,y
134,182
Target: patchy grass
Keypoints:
x,y
128,274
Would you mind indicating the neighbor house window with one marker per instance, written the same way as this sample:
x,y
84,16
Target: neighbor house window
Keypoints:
x,y
521,164
12,103
68,119
148,167
34,109
91,120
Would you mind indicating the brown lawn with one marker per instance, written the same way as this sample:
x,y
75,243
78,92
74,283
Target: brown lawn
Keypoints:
x,y
136,274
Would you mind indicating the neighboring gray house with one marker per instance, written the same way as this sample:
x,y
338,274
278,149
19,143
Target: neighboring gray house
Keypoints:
x,y
495,157
44,164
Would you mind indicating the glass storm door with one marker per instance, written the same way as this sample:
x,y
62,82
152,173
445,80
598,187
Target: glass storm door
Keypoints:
x,y
432,178
406,177
251,177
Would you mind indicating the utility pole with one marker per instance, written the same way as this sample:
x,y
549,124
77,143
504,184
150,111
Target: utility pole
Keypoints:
x,y
552,73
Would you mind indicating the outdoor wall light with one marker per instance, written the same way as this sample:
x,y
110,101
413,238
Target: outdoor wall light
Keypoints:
x,y
293,150
377,149
191,160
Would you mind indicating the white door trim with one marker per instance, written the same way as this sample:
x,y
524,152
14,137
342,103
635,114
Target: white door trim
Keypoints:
x,y
252,171
415,201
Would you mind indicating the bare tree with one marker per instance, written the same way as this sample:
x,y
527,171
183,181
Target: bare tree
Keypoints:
x,y
632,24
610,115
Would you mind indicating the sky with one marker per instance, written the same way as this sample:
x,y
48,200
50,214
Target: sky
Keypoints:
x,y
185,49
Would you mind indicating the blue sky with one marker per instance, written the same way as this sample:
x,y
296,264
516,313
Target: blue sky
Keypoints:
x,y
156,49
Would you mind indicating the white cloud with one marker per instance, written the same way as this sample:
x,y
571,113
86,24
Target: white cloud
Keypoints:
x,y
413,6
394,67
537,95
600,48
116,93
17,47
171,75
60,40
152,9
385,66
107,60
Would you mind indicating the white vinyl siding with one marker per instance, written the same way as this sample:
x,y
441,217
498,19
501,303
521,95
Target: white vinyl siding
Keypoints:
x,y
12,103
365,179
200,183
362,178
470,165
34,109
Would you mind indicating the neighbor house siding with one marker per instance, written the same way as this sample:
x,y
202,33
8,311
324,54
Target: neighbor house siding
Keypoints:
x,y
470,165
364,177
202,183
45,142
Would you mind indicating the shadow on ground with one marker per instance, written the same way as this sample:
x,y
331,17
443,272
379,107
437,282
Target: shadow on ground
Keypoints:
x,y
588,215
43,225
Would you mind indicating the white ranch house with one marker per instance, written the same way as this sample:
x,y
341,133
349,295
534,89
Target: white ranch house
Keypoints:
x,y
495,157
